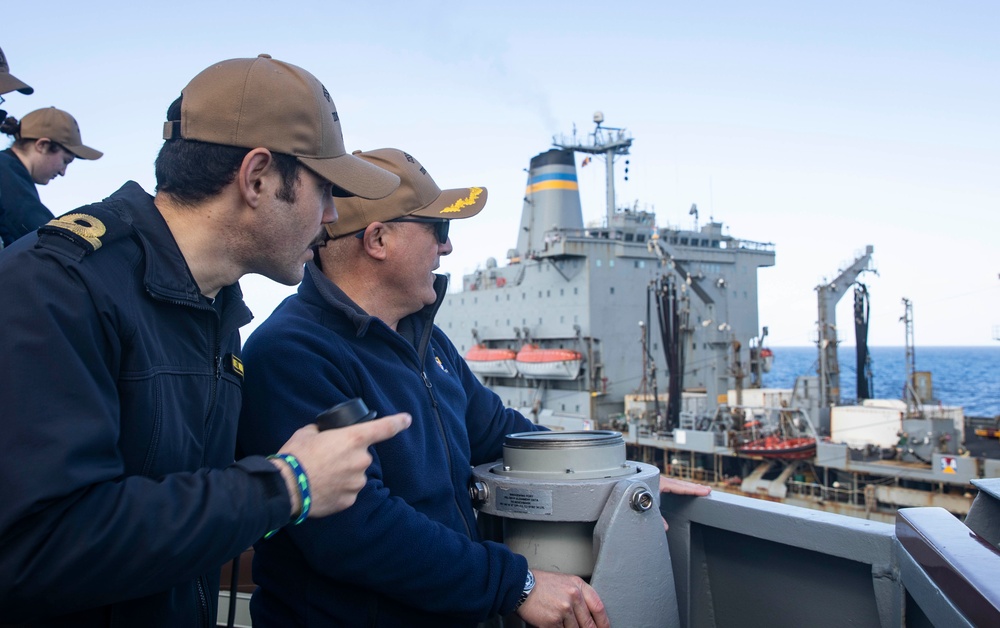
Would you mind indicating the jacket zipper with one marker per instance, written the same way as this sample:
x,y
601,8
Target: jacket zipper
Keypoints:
x,y
203,603
447,448
216,360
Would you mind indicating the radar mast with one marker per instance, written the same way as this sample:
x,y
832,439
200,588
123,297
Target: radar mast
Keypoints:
x,y
607,141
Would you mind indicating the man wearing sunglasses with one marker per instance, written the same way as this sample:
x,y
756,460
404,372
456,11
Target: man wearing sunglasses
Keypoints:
x,y
407,553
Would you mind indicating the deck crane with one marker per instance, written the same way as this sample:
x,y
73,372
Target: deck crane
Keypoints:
x,y
828,295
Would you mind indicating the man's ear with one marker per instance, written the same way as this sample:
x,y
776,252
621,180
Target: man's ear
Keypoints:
x,y
251,177
374,240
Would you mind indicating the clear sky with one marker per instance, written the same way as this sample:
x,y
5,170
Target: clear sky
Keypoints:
x,y
819,127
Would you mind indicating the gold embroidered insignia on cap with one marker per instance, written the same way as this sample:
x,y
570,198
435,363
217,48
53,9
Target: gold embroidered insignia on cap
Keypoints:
x,y
87,227
463,202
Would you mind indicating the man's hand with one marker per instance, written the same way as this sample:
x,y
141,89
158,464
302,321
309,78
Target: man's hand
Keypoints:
x,y
681,487
335,461
563,600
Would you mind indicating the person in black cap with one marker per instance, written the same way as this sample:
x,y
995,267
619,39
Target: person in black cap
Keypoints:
x,y
46,141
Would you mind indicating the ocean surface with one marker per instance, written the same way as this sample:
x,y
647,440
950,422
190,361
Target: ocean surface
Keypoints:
x,y
961,376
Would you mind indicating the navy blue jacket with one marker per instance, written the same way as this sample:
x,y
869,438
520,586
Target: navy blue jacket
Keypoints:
x,y
119,497
21,209
408,552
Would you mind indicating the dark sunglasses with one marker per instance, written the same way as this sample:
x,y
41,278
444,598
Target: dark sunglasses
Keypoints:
x,y
440,226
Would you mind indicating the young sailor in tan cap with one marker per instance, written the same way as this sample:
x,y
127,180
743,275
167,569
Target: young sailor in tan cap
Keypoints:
x,y
46,141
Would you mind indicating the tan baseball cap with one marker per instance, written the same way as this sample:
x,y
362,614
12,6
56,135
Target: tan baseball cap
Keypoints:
x,y
417,195
58,126
9,82
271,104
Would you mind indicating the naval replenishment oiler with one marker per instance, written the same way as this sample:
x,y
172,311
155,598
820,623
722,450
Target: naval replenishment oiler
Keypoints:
x,y
653,331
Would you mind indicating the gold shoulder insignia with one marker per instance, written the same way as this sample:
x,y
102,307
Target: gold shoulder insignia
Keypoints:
x,y
463,202
87,227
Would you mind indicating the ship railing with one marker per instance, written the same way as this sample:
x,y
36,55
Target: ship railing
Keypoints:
x,y
683,471
743,561
748,245
814,490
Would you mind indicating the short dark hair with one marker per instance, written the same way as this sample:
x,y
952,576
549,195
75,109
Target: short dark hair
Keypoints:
x,y
193,171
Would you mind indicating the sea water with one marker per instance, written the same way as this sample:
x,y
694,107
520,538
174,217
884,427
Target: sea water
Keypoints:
x,y
961,376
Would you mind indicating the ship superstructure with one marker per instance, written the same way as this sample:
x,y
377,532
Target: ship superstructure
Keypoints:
x,y
653,331
569,309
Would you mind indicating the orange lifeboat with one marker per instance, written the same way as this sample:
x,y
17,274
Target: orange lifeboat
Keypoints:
x,y
796,448
488,362
537,363
766,359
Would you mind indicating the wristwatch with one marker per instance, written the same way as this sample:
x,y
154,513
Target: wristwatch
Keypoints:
x,y
529,585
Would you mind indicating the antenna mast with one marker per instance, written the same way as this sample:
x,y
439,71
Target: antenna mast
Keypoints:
x,y
909,392
607,141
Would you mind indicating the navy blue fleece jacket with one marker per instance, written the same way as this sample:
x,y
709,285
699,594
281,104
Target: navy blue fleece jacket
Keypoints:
x,y
407,553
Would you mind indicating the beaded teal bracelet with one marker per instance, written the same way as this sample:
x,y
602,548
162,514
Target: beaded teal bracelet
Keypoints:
x,y
302,481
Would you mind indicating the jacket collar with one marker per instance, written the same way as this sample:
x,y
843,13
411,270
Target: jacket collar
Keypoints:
x,y
317,285
167,275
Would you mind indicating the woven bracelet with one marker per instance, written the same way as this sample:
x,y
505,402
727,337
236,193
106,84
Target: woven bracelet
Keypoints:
x,y
301,480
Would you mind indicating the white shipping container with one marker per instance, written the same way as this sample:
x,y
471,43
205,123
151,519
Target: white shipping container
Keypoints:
x,y
859,426
761,397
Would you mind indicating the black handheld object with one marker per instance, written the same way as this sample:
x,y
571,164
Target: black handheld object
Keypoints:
x,y
343,414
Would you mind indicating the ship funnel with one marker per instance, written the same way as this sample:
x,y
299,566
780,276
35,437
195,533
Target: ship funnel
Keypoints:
x,y
551,200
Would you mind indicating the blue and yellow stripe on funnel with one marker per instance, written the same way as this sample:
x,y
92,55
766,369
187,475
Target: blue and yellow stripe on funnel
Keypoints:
x,y
552,181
